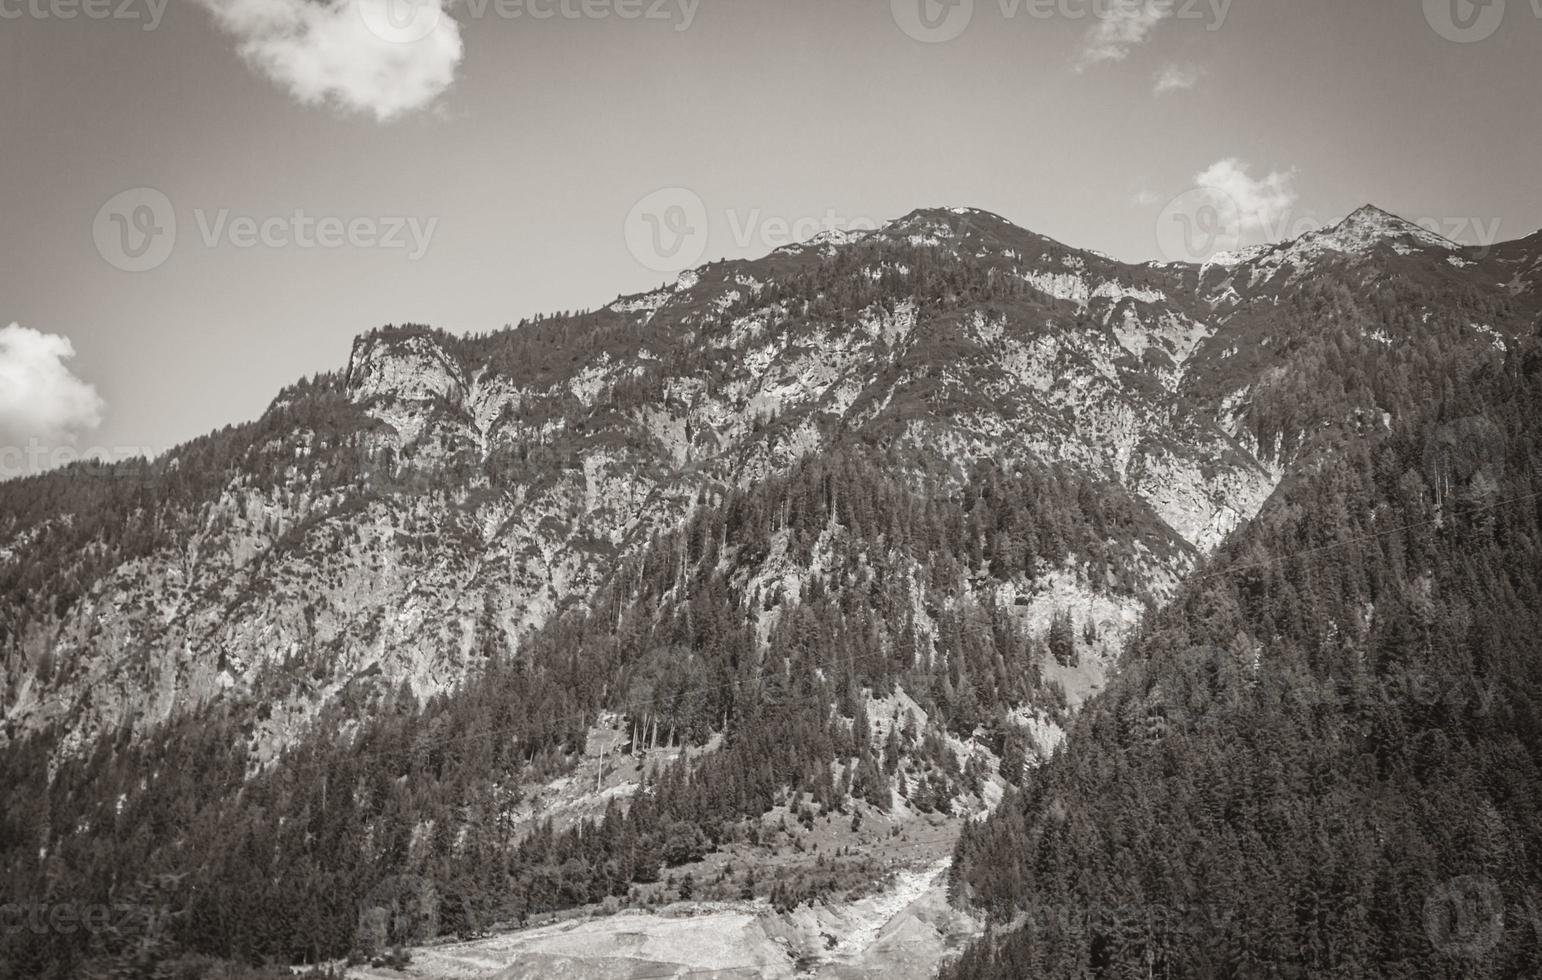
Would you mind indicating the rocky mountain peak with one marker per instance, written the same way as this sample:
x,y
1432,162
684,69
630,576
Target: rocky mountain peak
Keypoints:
x,y
1368,231
402,364
1370,227
981,227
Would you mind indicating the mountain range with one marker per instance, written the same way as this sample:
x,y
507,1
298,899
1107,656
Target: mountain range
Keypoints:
x,y
982,464
442,495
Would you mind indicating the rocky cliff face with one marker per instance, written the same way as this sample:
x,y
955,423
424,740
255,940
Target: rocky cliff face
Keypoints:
x,y
441,497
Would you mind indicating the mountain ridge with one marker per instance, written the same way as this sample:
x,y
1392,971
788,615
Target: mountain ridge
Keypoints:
x,y
520,464
790,557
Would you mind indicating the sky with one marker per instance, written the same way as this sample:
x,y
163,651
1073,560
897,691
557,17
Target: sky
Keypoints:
x,y
206,200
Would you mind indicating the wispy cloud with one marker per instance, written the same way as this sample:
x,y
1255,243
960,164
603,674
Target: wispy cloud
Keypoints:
x,y
1145,198
1253,204
40,399
1124,25
1177,77
381,57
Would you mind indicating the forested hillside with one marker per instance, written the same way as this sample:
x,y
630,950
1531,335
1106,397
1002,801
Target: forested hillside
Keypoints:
x,y
274,863
1324,759
613,609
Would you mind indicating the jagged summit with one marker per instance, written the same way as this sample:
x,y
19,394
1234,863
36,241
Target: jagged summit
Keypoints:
x,y
931,225
954,215
1367,231
953,222
1371,226
1362,230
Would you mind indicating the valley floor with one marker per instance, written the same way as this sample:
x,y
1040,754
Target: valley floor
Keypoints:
x,y
901,931
884,913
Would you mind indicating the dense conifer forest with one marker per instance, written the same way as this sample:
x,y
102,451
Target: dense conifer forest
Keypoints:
x,y
1325,759
1326,742
272,864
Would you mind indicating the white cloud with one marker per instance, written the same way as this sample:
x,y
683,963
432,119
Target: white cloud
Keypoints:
x,y
1253,205
383,57
39,398
1145,198
1177,78
1124,25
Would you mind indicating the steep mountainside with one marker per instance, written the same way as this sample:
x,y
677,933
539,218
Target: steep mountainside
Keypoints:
x,y
442,497
820,659
1324,759
804,561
